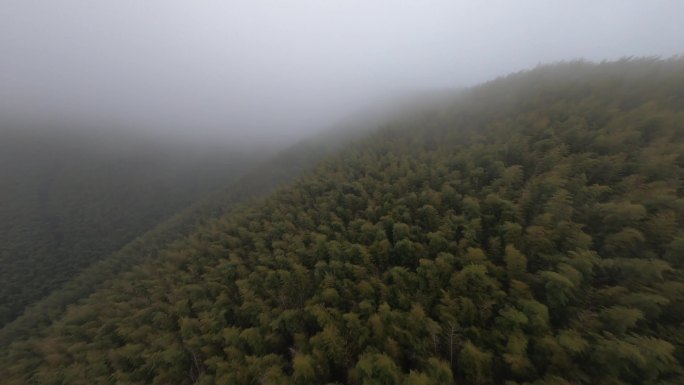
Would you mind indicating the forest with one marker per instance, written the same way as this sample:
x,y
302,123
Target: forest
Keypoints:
x,y
256,181
529,230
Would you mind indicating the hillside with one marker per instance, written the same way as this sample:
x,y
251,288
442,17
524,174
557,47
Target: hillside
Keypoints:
x,y
256,182
71,198
529,233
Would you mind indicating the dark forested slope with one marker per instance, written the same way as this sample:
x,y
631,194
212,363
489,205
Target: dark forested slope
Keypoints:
x,y
69,198
256,182
529,233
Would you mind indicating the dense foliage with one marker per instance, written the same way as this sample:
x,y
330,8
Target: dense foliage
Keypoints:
x,y
530,233
69,199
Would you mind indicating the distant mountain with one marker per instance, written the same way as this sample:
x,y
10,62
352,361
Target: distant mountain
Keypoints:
x,y
69,198
530,231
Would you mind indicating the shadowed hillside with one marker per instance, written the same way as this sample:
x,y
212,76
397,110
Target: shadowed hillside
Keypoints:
x,y
68,199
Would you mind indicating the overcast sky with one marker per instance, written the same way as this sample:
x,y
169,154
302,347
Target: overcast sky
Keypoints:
x,y
282,69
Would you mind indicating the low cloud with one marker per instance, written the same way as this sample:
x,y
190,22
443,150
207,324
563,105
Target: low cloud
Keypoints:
x,y
280,70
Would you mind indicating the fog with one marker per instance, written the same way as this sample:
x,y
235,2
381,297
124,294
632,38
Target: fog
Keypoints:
x,y
277,71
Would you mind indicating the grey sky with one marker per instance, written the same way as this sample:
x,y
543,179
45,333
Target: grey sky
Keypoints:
x,y
282,69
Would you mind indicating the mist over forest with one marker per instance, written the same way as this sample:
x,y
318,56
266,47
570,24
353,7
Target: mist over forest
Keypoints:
x,y
276,73
342,192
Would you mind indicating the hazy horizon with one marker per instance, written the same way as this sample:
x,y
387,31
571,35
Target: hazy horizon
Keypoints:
x,y
276,72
